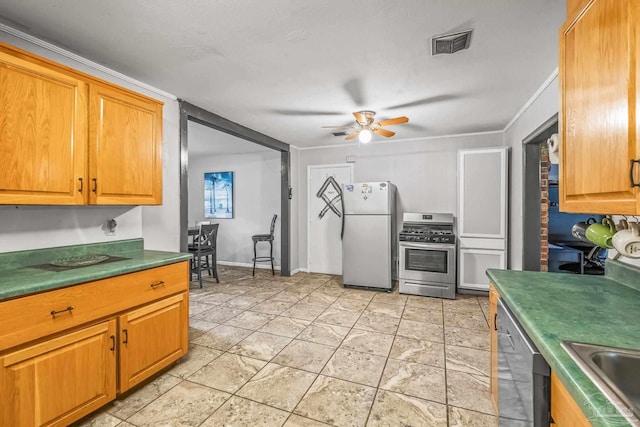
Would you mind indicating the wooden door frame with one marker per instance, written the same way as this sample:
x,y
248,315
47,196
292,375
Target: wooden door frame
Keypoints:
x,y
309,168
198,115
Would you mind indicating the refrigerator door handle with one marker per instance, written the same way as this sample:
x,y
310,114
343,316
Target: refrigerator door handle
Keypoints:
x,y
342,216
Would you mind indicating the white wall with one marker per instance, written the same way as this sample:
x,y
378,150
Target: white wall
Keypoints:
x,y
423,171
31,227
256,199
161,224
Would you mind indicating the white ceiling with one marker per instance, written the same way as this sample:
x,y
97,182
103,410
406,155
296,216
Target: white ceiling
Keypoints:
x,y
286,67
205,141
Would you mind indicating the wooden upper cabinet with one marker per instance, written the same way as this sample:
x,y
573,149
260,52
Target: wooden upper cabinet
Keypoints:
x,y
599,53
125,148
575,6
43,133
67,138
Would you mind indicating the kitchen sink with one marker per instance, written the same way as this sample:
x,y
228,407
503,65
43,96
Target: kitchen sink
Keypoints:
x,y
616,372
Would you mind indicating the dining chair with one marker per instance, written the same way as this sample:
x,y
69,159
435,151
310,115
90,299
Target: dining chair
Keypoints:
x,y
203,248
264,238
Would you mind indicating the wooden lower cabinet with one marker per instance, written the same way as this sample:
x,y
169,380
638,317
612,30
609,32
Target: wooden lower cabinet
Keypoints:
x,y
152,338
58,381
564,410
493,317
65,373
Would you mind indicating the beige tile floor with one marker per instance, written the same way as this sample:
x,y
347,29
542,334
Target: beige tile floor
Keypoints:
x,y
303,351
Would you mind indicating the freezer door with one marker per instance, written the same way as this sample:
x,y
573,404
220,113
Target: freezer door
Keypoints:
x,y
368,198
366,251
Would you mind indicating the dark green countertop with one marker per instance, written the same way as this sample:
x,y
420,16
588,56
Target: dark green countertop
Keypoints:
x,y
554,307
18,277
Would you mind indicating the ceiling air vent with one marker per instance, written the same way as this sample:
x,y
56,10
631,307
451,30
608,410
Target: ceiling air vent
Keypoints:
x,y
339,133
450,43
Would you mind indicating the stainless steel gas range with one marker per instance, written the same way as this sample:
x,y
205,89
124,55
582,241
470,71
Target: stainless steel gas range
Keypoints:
x,y
427,246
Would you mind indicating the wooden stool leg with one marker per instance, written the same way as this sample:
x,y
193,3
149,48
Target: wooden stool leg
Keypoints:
x,y
255,254
273,272
209,266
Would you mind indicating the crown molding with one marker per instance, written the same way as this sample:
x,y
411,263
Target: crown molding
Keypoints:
x,y
75,57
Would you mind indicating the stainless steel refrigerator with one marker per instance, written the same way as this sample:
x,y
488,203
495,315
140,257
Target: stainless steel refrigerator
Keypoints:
x,y
369,247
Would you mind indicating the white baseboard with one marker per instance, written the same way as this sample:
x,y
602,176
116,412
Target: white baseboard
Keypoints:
x,y
248,264
263,266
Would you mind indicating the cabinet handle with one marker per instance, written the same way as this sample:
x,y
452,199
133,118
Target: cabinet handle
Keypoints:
x,y
68,309
155,285
633,163
95,185
113,343
126,336
495,322
81,185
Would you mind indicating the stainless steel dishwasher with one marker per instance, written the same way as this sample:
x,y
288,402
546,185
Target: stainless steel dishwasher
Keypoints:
x,y
523,376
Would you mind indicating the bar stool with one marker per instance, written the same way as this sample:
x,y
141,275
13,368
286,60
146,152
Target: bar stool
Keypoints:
x,y
264,238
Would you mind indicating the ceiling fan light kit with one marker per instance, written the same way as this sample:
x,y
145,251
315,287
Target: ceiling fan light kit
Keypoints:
x,y
365,126
365,136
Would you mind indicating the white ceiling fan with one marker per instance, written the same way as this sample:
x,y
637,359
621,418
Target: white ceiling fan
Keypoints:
x,y
365,126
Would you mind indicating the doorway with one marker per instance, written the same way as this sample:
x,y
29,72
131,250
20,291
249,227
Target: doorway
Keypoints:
x,y
535,208
324,216
192,113
548,242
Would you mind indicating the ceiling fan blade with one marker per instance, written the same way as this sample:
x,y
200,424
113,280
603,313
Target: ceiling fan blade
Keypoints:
x,y
353,135
337,127
353,88
395,121
383,132
424,101
360,118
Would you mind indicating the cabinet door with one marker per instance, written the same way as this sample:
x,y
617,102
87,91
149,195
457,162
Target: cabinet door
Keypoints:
x,y
60,380
43,133
152,338
598,53
564,409
125,148
473,264
493,318
482,215
482,193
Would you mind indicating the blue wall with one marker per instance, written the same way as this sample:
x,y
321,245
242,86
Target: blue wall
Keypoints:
x,y
560,223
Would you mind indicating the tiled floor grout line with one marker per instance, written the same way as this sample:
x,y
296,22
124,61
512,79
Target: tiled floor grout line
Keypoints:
x,y
384,367
446,384
256,284
290,413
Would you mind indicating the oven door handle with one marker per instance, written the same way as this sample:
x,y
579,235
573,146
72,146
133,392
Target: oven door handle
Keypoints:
x,y
440,246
